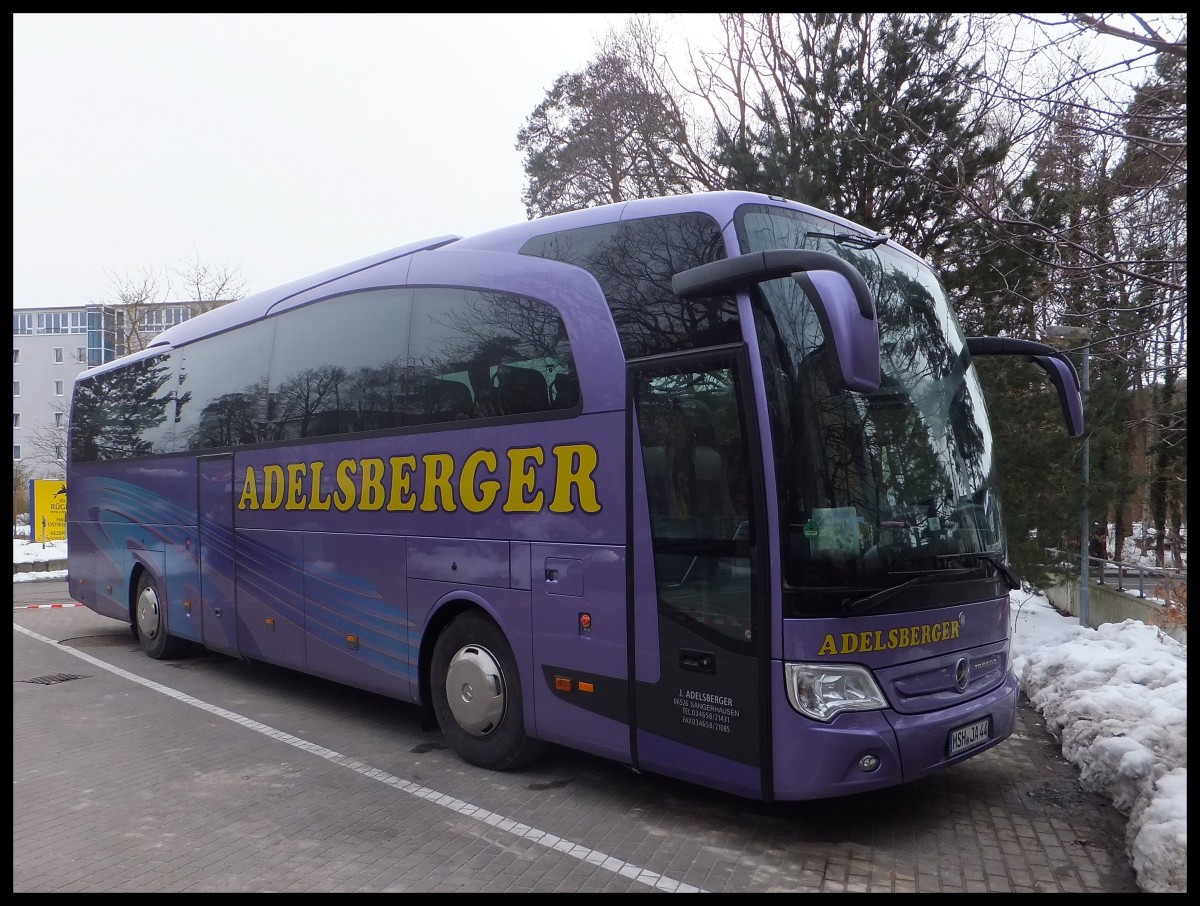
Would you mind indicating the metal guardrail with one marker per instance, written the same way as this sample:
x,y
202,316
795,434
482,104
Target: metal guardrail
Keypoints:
x,y
1118,591
1103,571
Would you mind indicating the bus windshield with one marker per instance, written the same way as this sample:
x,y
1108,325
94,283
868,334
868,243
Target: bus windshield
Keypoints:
x,y
874,489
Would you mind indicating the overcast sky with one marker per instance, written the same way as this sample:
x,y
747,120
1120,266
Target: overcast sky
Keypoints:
x,y
279,145
273,145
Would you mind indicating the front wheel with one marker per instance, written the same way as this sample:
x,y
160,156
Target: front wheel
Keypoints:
x,y
150,621
477,698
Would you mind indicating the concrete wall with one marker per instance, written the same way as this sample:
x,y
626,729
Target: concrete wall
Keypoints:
x,y
1107,604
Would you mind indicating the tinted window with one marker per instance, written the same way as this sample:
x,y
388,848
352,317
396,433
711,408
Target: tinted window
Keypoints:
x,y
223,389
633,262
481,355
339,365
128,412
695,457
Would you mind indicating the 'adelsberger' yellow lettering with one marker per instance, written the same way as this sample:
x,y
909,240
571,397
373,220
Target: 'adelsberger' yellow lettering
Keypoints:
x,y
432,483
900,637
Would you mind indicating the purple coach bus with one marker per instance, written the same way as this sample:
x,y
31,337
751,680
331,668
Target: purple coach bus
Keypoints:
x,y
702,484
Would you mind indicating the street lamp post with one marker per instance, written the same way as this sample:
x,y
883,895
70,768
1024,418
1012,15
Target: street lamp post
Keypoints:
x,y
1071,334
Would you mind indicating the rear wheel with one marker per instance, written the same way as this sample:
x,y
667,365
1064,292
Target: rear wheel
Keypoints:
x,y
150,621
477,697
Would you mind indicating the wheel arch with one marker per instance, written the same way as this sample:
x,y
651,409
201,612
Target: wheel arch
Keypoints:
x,y
138,570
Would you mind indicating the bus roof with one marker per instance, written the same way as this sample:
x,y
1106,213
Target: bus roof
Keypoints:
x,y
720,205
251,308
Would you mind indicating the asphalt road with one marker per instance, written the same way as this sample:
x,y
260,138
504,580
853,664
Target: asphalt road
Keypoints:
x,y
209,774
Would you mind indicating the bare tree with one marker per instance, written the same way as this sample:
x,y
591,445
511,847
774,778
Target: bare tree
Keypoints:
x,y
20,494
131,297
1148,35
134,299
207,286
1048,74
1128,239
47,442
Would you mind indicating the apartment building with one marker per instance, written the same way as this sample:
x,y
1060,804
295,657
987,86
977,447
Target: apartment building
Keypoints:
x,y
53,345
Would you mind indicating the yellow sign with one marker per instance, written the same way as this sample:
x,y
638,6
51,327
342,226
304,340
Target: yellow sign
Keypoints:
x,y
48,510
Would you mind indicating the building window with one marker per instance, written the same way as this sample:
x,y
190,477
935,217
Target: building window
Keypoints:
x,y
176,316
52,322
16,419
16,452
81,354
22,324
16,357
58,388
106,329
58,451
58,419
16,388
159,319
151,321
60,322
58,355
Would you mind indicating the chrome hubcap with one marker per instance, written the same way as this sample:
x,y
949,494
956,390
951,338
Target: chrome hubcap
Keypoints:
x,y
475,690
148,618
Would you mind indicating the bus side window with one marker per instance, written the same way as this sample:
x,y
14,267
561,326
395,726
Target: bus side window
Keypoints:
x,y
446,401
502,347
564,391
521,390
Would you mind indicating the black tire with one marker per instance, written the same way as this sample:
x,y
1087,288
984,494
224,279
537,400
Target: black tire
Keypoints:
x,y
150,621
477,699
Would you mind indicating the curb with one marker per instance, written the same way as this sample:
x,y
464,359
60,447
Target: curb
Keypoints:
x,y
39,566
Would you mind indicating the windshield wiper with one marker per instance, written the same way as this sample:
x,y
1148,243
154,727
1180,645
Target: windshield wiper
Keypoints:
x,y
873,600
858,242
1010,578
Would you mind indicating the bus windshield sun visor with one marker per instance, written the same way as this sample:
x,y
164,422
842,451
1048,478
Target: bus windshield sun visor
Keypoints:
x,y
839,294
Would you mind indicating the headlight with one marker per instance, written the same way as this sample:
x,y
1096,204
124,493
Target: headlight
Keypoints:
x,y
823,691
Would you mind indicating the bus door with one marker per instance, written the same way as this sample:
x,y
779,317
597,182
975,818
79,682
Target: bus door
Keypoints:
x,y
215,521
698,594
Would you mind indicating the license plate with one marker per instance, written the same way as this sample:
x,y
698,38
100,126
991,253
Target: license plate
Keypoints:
x,y
970,736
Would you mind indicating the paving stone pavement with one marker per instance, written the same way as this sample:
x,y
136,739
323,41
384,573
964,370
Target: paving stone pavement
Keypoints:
x,y
208,774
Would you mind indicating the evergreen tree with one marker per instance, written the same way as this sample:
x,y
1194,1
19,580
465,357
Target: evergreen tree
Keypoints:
x,y
890,121
868,116
600,136
1152,179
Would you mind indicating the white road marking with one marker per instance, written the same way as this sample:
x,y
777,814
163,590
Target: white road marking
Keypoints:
x,y
516,828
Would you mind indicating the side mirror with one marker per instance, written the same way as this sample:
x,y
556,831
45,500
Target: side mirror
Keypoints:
x,y
839,294
1057,366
